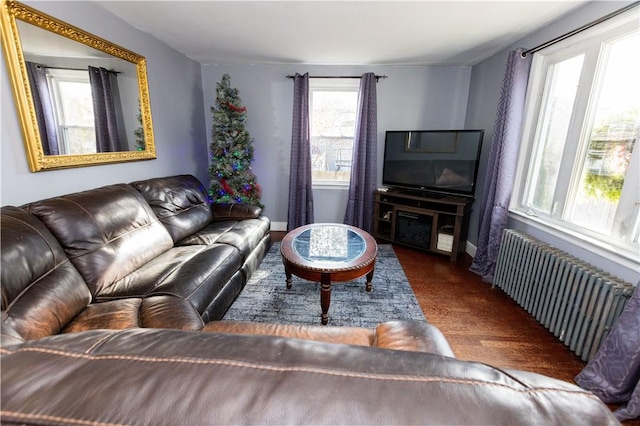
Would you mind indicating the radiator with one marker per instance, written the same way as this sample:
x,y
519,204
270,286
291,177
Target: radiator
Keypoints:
x,y
574,300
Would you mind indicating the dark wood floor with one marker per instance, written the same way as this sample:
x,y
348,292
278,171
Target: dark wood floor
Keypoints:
x,y
482,323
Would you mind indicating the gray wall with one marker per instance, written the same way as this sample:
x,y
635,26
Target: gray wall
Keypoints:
x,y
175,88
410,98
486,82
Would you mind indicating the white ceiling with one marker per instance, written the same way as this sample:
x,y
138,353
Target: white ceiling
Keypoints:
x,y
339,32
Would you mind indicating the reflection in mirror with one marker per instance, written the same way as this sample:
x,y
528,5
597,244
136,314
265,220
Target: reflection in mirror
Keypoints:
x,y
82,99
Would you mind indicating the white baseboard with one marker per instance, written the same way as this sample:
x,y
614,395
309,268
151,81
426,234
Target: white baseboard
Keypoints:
x,y
470,249
278,226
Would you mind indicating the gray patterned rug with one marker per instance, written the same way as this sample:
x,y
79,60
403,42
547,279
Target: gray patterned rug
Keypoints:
x,y
265,298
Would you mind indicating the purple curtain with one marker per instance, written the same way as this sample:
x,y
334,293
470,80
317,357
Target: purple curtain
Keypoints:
x,y
614,371
104,111
300,193
44,108
360,204
501,166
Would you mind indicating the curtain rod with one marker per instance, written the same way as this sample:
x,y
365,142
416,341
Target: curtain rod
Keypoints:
x,y
580,29
378,77
70,69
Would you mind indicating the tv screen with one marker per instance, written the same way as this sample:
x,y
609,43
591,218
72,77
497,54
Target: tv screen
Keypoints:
x,y
437,161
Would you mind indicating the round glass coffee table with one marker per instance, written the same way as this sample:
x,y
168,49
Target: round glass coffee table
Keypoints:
x,y
328,252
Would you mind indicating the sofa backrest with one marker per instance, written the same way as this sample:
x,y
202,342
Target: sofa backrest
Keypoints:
x,y
41,289
180,202
107,232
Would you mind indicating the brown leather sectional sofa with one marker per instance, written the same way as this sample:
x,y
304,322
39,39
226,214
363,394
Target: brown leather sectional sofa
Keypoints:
x,y
110,307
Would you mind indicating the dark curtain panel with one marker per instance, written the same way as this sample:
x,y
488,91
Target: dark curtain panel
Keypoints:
x,y
107,139
501,166
300,193
614,371
44,108
360,204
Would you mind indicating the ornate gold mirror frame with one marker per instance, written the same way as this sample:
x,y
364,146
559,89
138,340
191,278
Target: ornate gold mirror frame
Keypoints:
x,y
12,11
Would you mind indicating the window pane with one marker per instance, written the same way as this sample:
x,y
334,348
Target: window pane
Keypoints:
x,y
80,140
77,104
562,84
616,124
332,130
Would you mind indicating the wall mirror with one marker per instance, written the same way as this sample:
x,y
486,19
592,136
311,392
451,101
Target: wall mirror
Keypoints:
x,y
81,100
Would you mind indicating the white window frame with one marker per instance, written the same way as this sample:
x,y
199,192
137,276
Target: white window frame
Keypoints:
x,y
331,85
626,255
56,76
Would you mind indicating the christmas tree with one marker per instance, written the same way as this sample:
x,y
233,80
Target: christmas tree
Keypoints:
x,y
231,151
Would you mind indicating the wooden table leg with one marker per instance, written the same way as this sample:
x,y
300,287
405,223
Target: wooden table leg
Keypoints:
x,y
369,279
325,297
288,275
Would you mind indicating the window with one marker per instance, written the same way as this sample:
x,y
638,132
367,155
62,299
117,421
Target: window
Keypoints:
x,y
579,170
71,95
332,105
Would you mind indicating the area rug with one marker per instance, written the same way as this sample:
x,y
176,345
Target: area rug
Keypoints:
x,y
266,298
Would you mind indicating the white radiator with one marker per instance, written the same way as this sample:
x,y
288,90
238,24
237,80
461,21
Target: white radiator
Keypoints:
x,y
574,300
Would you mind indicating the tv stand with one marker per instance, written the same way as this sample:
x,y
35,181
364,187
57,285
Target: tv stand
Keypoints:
x,y
427,194
437,224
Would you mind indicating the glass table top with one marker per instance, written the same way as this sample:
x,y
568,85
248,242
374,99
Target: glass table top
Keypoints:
x,y
329,244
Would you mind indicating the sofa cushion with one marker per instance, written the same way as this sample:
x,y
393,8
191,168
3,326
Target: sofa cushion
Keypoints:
x,y
244,235
107,232
151,312
194,273
180,202
41,289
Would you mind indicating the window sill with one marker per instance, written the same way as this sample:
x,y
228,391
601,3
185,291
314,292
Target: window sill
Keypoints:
x,y
620,254
331,185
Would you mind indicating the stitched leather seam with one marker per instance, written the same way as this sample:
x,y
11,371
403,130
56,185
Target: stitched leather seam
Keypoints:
x,y
168,274
105,289
183,210
196,289
100,342
55,419
106,242
177,267
312,370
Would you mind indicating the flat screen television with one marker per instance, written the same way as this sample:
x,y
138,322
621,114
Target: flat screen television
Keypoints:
x,y
432,161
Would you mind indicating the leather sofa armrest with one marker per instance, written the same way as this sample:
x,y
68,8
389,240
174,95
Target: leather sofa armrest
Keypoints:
x,y
344,335
412,336
235,211
396,335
